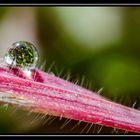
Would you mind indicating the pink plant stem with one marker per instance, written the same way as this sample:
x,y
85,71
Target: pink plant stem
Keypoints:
x,y
45,93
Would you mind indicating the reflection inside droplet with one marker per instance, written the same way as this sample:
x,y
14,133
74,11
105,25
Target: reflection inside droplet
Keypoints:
x,y
22,54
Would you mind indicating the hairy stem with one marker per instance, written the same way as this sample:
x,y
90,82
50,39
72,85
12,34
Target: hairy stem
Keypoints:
x,y
45,93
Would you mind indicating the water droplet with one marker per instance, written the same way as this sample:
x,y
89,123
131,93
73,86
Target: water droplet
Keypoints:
x,y
22,54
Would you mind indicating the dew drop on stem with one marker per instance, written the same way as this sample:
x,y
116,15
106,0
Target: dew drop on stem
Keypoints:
x,y
22,55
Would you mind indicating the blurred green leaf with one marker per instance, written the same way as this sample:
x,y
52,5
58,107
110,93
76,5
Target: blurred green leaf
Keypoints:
x,y
3,11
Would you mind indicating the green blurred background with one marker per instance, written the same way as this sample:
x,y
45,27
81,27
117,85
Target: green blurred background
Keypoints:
x,y
101,44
